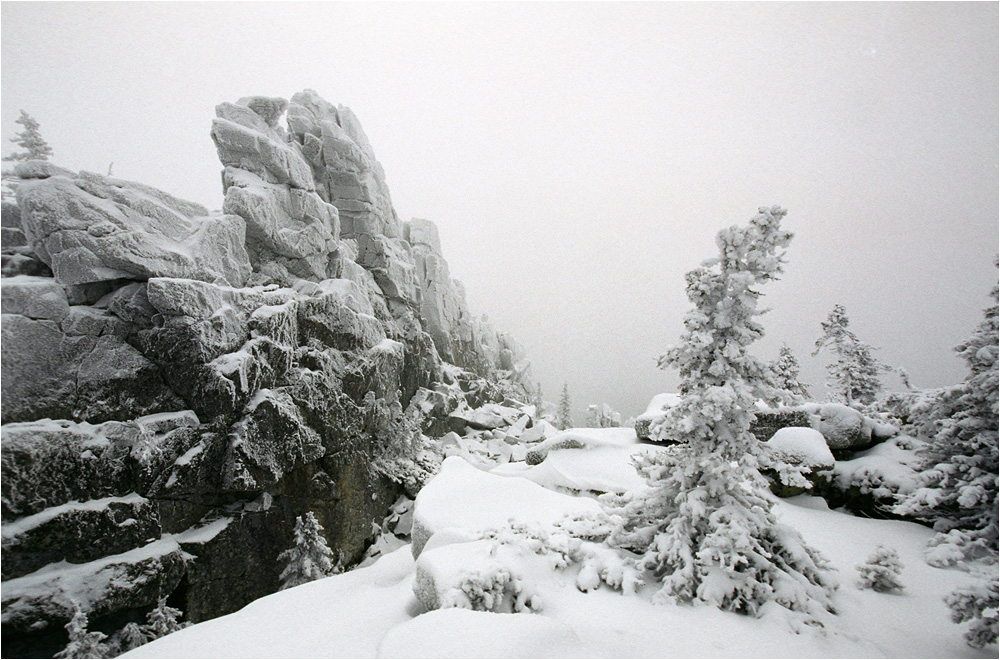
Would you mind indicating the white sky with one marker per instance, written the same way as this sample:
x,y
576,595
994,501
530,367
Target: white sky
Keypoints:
x,y
579,158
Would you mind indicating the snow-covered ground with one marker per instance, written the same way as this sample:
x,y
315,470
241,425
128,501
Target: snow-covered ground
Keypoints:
x,y
375,611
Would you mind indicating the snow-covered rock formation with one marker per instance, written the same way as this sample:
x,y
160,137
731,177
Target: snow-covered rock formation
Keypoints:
x,y
179,385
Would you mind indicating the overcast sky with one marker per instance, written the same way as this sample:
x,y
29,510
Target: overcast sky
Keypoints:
x,y
579,158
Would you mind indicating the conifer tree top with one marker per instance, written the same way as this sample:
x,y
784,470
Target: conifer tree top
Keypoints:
x,y
30,139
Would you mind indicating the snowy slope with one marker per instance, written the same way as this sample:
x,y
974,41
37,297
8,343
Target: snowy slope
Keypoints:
x,y
372,611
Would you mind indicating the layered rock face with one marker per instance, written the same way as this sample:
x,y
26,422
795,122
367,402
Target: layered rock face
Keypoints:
x,y
179,385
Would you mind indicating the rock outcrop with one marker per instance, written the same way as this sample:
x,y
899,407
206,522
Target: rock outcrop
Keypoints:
x,y
179,385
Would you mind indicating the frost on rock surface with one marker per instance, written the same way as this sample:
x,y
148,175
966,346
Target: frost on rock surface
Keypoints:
x,y
172,376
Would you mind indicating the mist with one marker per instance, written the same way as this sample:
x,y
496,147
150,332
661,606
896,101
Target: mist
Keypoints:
x,y
580,158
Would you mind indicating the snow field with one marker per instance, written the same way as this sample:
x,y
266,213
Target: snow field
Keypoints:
x,y
550,591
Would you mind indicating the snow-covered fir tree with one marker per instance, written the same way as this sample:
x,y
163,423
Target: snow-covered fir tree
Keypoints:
x,y
564,417
881,571
855,373
82,643
979,604
785,379
30,139
960,463
132,636
163,620
310,558
706,528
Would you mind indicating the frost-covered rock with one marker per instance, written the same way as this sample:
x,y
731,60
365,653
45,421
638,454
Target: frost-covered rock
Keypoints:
x,y
93,228
211,378
290,226
77,532
127,580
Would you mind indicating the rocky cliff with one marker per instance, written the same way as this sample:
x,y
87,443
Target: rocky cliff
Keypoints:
x,y
179,385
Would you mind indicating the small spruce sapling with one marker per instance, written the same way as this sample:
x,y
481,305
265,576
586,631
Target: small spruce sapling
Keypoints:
x,y
31,140
310,558
705,528
565,417
163,620
132,636
785,379
880,572
83,644
977,603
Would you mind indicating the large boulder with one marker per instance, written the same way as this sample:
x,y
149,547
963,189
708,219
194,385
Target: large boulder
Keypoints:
x,y
244,140
93,228
290,226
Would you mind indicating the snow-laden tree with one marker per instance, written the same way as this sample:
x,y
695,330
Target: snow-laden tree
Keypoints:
x,y
785,378
881,571
163,620
977,603
706,528
83,644
960,463
29,139
132,636
564,417
310,558
855,372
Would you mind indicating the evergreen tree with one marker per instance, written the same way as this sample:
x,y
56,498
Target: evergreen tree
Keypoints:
x,y
132,636
960,463
785,379
564,416
880,572
706,528
856,371
163,620
83,644
537,400
309,558
977,603
31,139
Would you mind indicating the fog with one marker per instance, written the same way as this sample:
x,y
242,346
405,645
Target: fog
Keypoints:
x,y
579,158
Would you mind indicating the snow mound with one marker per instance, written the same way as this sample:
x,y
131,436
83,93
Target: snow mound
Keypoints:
x,y
605,469
457,633
462,497
583,439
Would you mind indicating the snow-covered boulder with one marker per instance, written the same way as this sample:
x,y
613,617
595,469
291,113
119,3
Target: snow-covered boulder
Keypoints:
x,y
464,498
873,480
654,414
846,428
794,457
93,228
